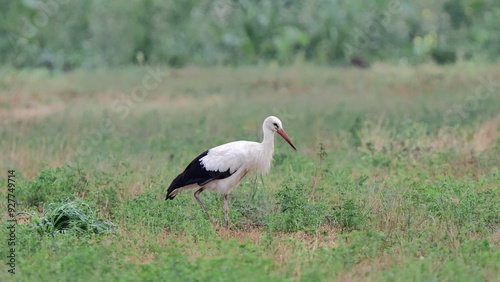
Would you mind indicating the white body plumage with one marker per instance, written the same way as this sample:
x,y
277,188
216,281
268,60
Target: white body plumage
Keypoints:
x,y
240,158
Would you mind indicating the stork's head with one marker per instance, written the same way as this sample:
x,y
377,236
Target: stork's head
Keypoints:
x,y
274,124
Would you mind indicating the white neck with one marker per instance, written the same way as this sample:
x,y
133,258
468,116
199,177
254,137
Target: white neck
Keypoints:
x,y
268,137
266,155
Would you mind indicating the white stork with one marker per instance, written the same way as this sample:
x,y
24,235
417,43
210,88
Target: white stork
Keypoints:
x,y
221,168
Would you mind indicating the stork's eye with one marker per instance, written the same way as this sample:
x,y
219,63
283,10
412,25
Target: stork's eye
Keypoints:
x,y
276,125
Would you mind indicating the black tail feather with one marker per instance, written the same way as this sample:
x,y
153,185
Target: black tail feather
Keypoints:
x,y
195,173
174,185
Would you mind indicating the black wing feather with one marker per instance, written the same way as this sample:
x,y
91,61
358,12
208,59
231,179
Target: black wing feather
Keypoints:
x,y
195,173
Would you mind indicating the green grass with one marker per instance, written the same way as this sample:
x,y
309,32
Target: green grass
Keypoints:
x,y
385,186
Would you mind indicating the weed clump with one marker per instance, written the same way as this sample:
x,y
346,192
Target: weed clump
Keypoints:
x,y
75,216
297,213
349,216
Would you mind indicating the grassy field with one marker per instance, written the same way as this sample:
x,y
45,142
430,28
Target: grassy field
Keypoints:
x,y
396,178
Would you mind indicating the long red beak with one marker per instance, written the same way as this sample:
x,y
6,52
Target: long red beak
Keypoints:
x,y
287,139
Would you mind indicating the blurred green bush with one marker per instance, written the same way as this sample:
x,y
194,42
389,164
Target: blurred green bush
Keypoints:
x,y
66,34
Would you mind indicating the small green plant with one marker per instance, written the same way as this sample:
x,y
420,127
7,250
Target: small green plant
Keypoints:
x,y
355,139
75,216
349,215
297,213
322,154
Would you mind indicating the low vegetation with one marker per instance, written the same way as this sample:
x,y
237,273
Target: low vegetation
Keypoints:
x,y
396,178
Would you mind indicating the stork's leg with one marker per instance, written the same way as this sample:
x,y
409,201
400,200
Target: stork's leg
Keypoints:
x,y
196,196
226,211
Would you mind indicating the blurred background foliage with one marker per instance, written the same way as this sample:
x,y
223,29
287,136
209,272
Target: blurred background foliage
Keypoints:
x,y
62,34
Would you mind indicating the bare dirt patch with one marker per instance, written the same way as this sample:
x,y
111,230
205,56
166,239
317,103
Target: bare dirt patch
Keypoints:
x,y
25,113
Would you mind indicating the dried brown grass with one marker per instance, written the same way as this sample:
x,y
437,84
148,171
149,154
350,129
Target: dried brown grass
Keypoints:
x,y
31,112
482,138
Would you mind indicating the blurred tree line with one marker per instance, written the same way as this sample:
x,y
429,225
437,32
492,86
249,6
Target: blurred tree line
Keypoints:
x,y
65,34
